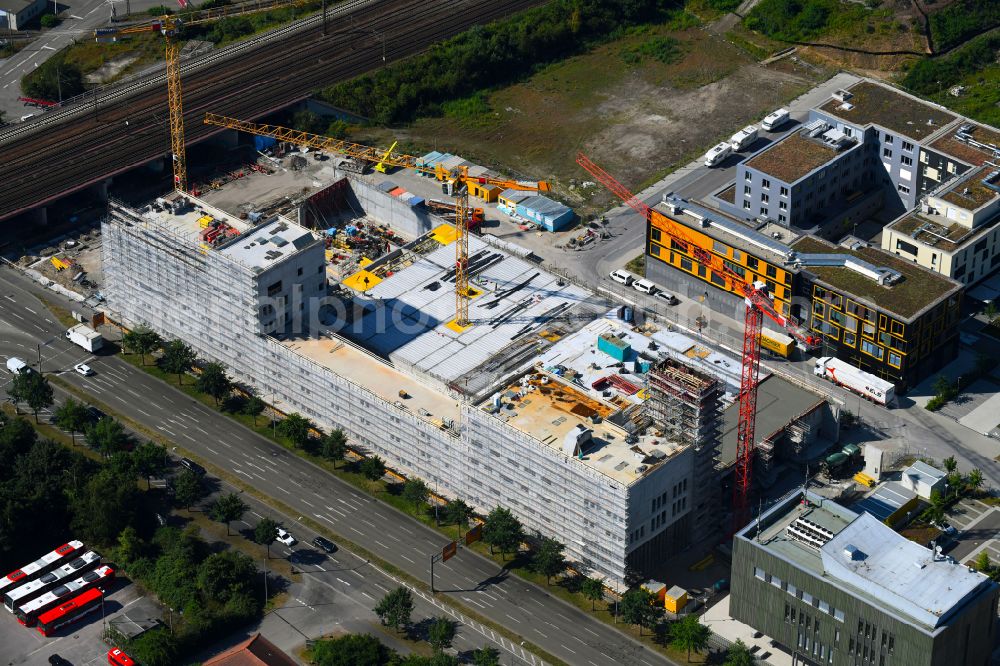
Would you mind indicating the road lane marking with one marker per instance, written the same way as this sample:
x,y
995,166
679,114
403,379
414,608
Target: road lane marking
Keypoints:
x,y
211,449
144,413
368,595
338,512
30,310
473,601
357,530
381,544
564,646
540,633
512,617
590,632
305,501
282,489
344,582
319,515
407,559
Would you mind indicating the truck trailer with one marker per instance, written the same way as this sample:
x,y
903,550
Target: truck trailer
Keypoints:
x,y
86,337
856,380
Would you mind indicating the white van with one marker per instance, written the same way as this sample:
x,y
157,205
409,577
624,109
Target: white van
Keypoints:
x,y
645,286
622,277
27,116
744,138
17,365
718,154
775,119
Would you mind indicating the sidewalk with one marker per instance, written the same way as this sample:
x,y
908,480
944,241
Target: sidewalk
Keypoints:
x,y
717,619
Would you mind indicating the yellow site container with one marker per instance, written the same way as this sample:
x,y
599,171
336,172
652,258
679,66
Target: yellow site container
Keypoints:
x,y
865,480
657,589
676,599
204,221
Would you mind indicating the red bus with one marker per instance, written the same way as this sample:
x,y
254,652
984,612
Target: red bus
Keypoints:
x,y
29,613
70,611
36,588
118,658
43,564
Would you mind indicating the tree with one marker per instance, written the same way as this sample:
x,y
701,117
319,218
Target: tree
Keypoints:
x,y
129,545
503,530
635,607
950,464
942,386
441,633
157,647
690,634
72,416
395,608
188,489
265,533
296,428
739,654
253,407
593,589
373,468
549,560
53,79
486,656
983,563
32,388
226,574
975,479
214,382
177,358
350,650
49,21
990,311
415,492
458,512
107,436
142,340
150,460
334,446
228,508
104,506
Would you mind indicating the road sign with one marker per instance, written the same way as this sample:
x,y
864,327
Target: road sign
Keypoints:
x,y
474,535
449,551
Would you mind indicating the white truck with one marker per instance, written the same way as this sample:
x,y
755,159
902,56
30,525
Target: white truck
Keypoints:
x,y
744,138
718,154
17,366
86,337
856,380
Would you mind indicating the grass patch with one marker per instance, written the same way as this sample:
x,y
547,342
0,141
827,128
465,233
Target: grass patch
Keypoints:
x,y
756,51
64,316
803,20
637,265
49,431
661,48
961,20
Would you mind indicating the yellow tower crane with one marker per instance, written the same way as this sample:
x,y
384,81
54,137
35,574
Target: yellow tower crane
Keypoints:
x,y
170,27
454,183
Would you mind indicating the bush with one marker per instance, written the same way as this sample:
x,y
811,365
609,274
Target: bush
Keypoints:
x,y
664,49
160,10
956,23
929,76
53,79
793,20
49,21
489,56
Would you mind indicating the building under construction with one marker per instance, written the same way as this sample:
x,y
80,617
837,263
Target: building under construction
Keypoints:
x,y
685,404
509,411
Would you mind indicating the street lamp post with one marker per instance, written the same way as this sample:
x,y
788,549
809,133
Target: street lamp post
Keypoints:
x,y
38,348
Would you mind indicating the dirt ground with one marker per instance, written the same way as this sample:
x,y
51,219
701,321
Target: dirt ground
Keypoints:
x,y
638,121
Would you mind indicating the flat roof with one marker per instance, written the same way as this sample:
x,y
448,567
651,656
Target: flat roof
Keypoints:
x,y
792,157
779,403
550,409
919,289
974,189
407,314
377,376
866,558
878,104
735,233
950,144
268,244
921,471
934,230
188,225
869,556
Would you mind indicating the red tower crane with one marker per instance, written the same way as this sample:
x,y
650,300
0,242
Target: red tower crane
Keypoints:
x,y
758,303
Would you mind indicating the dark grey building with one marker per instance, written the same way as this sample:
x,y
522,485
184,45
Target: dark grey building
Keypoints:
x,y
835,587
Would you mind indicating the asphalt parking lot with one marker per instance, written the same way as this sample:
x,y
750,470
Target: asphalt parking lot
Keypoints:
x,y
978,526
79,643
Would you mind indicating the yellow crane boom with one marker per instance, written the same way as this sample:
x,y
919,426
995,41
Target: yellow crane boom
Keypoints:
x,y
454,184
382,167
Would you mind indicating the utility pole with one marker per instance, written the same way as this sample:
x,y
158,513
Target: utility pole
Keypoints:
x,y
324,18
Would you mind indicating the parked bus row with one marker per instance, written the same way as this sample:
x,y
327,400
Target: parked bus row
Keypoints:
x,y
56,589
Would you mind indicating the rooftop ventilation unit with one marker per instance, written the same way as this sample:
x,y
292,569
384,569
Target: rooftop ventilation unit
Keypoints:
x,y
888,277
846,106
279,241
815,128
809,533
842,95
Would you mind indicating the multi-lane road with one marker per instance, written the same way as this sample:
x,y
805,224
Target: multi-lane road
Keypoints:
x,y
474,581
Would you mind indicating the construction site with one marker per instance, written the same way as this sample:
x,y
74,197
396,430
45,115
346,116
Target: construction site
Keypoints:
x,y
332,297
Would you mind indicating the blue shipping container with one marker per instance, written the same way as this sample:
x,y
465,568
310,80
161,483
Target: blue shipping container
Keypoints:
x,y
262,143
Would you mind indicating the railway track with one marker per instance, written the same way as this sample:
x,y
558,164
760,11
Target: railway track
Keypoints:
x,y
84,144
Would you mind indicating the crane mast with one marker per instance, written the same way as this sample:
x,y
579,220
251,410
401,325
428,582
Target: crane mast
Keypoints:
x,y
758,303
454,184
